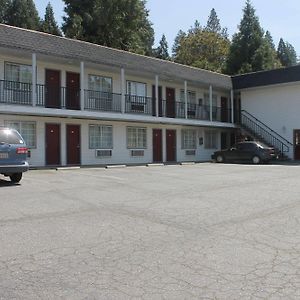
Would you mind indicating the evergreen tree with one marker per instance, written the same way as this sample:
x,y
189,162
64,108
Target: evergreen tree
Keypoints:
x,y
213,22
121,24
245,43
265,56
49,24
4,5
23,13
177,42
286,54
162,50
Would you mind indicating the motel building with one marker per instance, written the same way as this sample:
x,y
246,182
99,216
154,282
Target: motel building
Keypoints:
x,y
76,103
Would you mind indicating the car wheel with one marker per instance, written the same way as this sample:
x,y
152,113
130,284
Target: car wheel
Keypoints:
x,y
16,177
220,159
256,160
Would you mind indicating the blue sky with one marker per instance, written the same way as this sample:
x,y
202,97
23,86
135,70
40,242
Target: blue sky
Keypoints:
x,y
168,17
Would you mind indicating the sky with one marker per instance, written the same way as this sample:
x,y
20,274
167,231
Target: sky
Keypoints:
x,y
168,17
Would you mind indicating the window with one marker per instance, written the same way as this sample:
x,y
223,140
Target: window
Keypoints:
x,y
100,84
27,131
188,139
136,88
18,73
100,137
210,139
191,96
136,138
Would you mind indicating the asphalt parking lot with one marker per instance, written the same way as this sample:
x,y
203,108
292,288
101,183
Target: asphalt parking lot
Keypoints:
x,y
204,231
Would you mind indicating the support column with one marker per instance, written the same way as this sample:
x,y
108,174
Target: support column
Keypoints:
x,y
232,105
210,103
185,99
156,96
82,85
34,77
123,90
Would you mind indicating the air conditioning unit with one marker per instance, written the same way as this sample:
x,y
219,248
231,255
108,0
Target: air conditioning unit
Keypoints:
x,y
103,153
190,152
137,152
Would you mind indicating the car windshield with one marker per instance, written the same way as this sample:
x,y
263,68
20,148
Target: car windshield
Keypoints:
x,y
8,136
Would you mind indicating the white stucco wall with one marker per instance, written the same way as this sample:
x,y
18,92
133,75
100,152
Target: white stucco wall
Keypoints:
x,y
277,106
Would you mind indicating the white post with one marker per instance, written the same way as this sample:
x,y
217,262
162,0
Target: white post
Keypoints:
x,y
210,102
82,85
34,77
156,96
232,105
185,99
123,87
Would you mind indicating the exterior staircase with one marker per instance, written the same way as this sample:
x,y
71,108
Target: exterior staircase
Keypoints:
x,y
251,127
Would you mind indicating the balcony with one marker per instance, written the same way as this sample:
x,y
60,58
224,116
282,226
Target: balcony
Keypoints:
x,y
16,93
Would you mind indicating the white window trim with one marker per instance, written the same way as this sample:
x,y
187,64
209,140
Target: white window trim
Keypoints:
x,y
127,136
183,132
101,147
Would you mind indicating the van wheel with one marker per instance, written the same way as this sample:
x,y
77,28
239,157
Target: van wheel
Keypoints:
x,y
256,160
16,177
220,159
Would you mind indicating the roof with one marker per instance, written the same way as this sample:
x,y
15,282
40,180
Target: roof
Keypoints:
x,y
43,43
265,78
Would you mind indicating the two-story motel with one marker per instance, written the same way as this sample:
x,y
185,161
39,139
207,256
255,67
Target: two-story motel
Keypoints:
x,y
76,103
79,103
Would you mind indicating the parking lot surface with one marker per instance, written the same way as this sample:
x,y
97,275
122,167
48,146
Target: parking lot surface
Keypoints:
x,y
204,231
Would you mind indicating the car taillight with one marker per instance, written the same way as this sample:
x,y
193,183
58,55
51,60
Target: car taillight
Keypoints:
x,y
22,150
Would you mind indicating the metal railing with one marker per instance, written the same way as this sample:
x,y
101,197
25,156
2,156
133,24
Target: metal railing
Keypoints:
x,y
138,105
264,133
61,97
102,101
18,93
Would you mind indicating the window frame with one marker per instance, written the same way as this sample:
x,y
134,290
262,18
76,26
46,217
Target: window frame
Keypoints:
x,y
101,147
183,139
138,82
144,147
100,76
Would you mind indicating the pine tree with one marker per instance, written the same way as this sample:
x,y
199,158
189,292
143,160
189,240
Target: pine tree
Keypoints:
x,y
49,24
4,5
121,24
286,54
162,50
265,56
23,13
177,42
213,22
245,43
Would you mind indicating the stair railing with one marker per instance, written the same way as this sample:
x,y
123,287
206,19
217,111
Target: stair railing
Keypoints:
x,y
263,132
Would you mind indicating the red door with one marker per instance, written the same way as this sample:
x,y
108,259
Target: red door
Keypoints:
x,y
159,101
157,145
297,144
224,109
170,103
73,91
52,144
52,89
171,145
73,144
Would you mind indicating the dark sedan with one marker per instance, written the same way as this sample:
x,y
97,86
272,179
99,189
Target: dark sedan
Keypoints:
x,y
245,152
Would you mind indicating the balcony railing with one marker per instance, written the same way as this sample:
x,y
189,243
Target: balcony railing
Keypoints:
x,y
18,93
102,101
12,92
138,105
